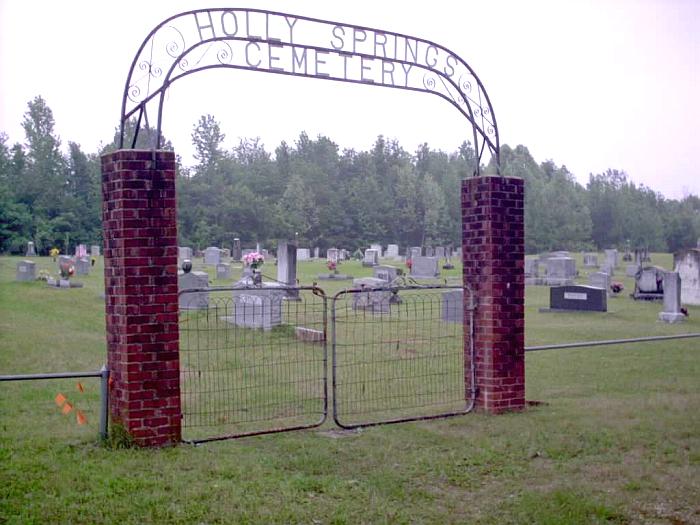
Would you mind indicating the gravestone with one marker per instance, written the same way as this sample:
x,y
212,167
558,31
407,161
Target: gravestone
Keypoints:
x,y
223,271
578,298
377,247
257,307
95,250
333,255
440,252
26,271
287,267
425,267
317,252
82,266
184,253
386,273
64,262
453,306
392,251
193,281
687,264
303,254
212,256
611,259
672,299
371,257
560,271
415,251
376,302
600,280
236,252
429,251
31,252
81,250
590,260
649,283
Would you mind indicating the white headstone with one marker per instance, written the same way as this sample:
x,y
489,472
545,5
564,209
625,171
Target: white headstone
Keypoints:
x,y
687,264
212,256
193,281
31,252
303,254
95,250
590,260
377,247
371,257
333,255
600,280
392,251
26,271
425,267
672,299
82,266
223,271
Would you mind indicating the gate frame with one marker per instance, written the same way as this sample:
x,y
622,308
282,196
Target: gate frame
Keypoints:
x,y
470,390
324,415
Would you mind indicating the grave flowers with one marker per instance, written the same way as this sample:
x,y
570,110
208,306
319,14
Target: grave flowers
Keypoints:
x,y
332,266
255,260
616,287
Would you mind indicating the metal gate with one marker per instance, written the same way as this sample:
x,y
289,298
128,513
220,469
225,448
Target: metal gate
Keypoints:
x,y
398,355
252,361
255,360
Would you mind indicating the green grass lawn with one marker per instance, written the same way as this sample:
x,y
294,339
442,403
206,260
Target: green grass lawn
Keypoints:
x,y
616,438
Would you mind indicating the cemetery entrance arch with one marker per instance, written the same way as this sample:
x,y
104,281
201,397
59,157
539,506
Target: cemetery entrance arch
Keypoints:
x,y
285,44
139,204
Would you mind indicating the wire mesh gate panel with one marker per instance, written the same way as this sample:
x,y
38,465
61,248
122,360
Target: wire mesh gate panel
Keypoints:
x,y
252,361
398,355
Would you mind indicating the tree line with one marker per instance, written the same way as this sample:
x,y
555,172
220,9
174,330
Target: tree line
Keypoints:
x,y
314,193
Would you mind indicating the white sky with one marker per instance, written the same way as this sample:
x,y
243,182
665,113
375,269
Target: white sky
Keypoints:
x,y
591,84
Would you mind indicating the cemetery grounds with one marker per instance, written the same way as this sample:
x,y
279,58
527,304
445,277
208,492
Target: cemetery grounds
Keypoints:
x,y
612,434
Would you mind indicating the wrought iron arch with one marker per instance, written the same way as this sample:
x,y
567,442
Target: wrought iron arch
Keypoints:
x,y
269,41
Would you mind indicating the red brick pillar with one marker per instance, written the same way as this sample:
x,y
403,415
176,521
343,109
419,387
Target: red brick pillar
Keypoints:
x,y
493,256
140,258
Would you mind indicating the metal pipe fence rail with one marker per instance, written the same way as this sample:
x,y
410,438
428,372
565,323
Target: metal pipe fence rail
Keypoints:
x,y
103,374
581,344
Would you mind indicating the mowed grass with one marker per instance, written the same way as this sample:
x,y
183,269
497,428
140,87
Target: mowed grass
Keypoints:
x,y
616,438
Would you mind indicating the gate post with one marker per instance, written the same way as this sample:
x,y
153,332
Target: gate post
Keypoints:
x,y
140,265
493,251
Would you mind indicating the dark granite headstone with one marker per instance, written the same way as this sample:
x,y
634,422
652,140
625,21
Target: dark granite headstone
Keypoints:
x,y
578,297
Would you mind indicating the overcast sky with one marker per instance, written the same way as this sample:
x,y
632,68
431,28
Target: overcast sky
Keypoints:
x,y
590,84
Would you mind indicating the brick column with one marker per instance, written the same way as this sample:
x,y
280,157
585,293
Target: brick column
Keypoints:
x,y
493,256
140,258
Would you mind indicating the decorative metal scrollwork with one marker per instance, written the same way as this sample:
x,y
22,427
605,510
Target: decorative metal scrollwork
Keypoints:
x,y
273,42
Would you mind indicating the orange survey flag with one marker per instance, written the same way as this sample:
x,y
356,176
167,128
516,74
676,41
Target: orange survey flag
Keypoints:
x,y
60,399
80,387
67,407
80,417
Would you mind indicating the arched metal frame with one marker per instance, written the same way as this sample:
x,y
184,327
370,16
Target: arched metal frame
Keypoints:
x,y
168,49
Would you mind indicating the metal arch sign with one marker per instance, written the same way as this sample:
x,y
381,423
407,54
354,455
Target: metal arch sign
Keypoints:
x,y
286,44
